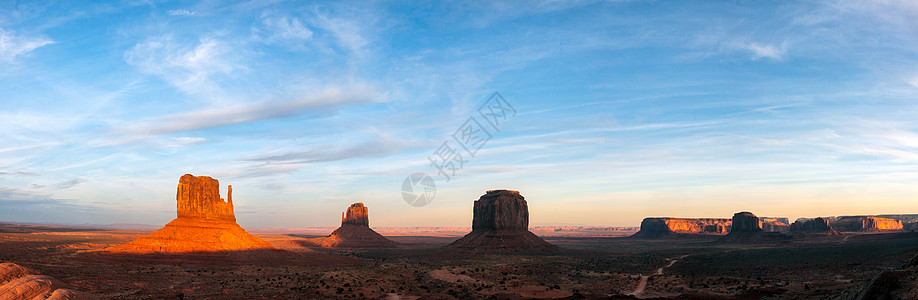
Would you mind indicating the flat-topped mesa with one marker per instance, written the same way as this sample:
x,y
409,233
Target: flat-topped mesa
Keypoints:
x,y
199,197
817,225
356,214
659,227
501,224
501,209
746,222
866,224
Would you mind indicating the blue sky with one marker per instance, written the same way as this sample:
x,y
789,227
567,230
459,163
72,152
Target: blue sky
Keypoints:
x,y
625,109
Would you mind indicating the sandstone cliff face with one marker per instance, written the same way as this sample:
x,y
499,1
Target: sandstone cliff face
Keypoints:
x,y
355,232
17,282
660,227
204,223
866,224
356,215
501,209
746,222
817,225
501,224
199,197
775,227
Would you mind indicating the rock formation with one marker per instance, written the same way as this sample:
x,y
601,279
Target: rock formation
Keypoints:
x,y
817,225
17,282
866,224
893,284
204,223
355,232
746,222
774,224
501,224
747,229
667,227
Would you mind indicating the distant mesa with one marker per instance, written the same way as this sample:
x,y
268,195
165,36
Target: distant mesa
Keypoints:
x,y
775,224
501,224
675,227
866,224
204,223
17,282
355,232
817,226
747,229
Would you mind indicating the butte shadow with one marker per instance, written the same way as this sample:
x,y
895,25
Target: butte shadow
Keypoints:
x,y
355,232
204,223
501,225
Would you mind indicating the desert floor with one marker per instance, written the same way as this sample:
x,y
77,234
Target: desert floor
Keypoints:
x,y
811,268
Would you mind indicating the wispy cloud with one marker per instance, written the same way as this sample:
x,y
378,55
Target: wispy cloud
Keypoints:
x,y
256,111
764,50
327,153
283,28
182,12
13,46
189,67
70,183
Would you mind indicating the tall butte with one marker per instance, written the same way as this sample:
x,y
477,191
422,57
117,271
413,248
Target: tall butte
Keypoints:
x,y
204,223
355,232
501,224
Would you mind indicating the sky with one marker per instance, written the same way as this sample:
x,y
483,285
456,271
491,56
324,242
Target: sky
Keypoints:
x,y
620,109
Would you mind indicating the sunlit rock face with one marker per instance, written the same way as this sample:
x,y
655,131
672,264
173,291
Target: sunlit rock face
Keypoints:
x,y
17,282
204,223
356,215
866,224
199,197
355,232
662,227
817,225
501,224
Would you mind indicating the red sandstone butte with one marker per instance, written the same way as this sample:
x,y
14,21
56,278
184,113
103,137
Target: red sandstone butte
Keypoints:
x,y
673,227
204,223
501,224
355,232
866,224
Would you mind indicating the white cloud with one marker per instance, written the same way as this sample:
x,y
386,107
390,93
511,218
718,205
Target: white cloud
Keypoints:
x,y
182,12
255,111
764,51
287,29
190,68
13,46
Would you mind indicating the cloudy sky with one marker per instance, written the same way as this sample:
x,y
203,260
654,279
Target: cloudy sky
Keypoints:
x,y
624,109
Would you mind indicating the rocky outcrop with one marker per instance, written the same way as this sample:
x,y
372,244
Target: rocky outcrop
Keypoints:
x,y
204,223
355,232
501,224
746,222
817,225
866,224
17,282
747,229
893,284
666,227
356,215
199,197
775,227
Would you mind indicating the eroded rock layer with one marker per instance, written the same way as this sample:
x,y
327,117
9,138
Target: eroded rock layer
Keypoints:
x,y
866,224
660,227
817,225
747,229
501,224
204,223
355,232
17,282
